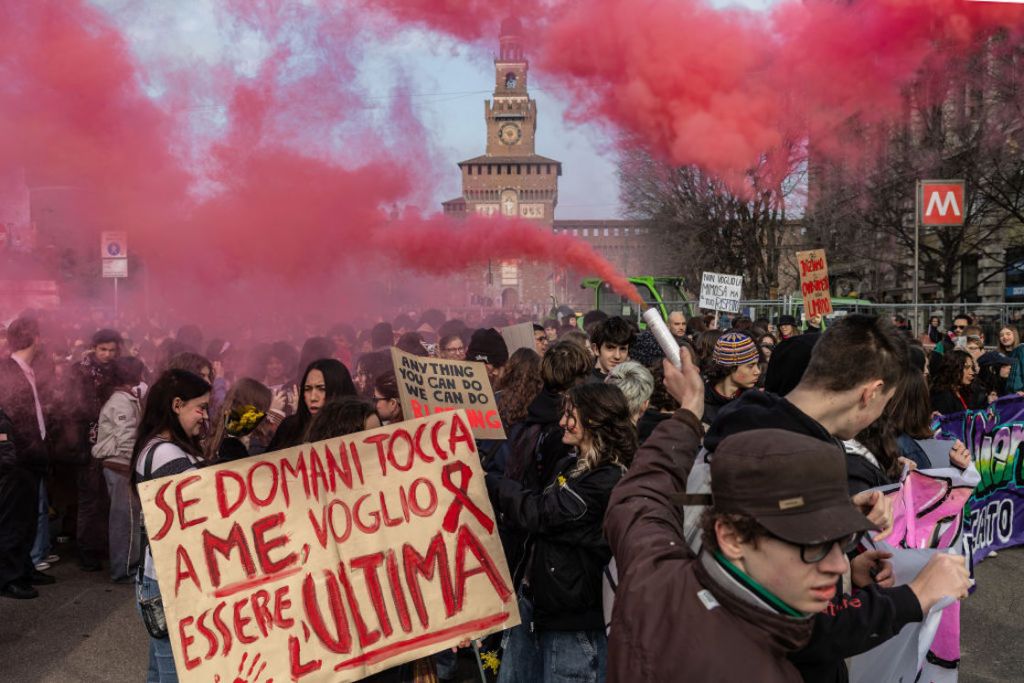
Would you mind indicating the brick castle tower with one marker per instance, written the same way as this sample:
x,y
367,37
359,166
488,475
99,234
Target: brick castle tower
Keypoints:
x,y
510,178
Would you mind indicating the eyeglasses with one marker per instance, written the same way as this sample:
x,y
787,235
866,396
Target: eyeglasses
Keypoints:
x,y
816,552
768,346
455,349
959,327
378,399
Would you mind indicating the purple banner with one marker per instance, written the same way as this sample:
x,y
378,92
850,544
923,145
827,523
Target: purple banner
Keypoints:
x,y
994,436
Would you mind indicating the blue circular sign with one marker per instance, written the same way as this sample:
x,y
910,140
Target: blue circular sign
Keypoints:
x,y
113,248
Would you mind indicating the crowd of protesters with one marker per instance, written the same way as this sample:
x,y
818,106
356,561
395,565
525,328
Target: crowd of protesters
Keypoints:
x,y
588,488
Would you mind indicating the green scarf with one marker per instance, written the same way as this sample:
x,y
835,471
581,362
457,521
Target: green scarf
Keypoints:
x,y
757,588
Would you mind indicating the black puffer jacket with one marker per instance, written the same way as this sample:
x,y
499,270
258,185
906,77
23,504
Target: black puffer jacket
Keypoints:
x,y
567,551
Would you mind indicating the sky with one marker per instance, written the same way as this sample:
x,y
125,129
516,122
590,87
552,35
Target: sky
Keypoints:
x,y
446,83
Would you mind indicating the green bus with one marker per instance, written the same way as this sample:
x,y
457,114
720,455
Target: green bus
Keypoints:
x,y
664,293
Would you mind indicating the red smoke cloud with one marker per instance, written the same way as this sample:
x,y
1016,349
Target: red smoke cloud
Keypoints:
x,y
278,195
720,88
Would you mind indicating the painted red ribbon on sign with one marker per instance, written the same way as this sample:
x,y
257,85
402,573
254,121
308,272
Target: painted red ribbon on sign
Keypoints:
x,y
462,500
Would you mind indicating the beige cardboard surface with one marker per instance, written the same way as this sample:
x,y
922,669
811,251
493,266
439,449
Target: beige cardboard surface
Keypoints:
x,y
330,561
518,337
431,385
814,282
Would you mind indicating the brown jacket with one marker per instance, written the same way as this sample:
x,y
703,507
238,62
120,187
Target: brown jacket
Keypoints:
x,y
678,617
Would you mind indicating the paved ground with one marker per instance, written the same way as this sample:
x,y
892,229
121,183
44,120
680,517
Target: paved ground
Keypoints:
x,y
85,629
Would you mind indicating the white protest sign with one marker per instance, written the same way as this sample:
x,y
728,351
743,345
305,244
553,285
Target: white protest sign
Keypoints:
x,y
720,292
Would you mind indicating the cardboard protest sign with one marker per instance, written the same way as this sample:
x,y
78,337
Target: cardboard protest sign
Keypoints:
x,y
720,292
994,437
330,561
432,385
518,337
814,282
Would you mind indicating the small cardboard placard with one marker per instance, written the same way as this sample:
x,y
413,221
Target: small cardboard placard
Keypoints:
x,y
518,337
329,561
720,292
429,385
814,282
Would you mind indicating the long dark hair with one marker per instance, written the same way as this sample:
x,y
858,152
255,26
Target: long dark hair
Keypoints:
x,y
337,380
950,373
911,406
607,425
158,412
519,386
338,417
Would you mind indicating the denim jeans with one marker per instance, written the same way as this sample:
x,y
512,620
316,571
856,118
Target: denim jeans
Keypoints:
x,y
41,546
161,657
124,535
552,656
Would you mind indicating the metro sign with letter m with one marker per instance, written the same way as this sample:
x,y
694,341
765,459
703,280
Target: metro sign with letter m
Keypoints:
x,y
942,202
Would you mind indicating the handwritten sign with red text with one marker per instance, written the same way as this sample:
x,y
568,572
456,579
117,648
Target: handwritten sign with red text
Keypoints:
x,y
330,561
814,282
434,385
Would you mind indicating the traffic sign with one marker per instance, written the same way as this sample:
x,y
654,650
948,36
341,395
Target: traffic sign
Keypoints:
x,y
115,267
114,245
942,202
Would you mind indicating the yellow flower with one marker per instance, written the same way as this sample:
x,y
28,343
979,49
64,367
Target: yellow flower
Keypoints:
x,y
243,420
489,660
562,481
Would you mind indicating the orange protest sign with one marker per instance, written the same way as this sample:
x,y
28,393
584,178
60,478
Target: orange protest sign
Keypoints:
x,y
433,385
330,561
814,282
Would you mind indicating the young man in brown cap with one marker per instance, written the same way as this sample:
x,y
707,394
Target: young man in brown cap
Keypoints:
x,y
774,548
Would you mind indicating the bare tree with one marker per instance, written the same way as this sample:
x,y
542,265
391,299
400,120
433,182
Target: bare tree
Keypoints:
x,y
713,227
962,123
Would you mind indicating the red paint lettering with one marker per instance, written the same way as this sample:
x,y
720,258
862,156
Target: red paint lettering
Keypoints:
x,y
225,633
213,544
435,441
360,524
281,603
222,494
369,564
166,509
272,493
299,470
344,472
264,619
465,541
435,561
460,433
263,546
300,669
316,473
378,441
208,634
240,623
186,640
397,595
409,448
182,559
366,637
418,444
341,640
185,504
419,509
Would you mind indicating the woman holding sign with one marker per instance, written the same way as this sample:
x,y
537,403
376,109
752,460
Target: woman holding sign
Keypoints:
x,y
168,444
562,633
